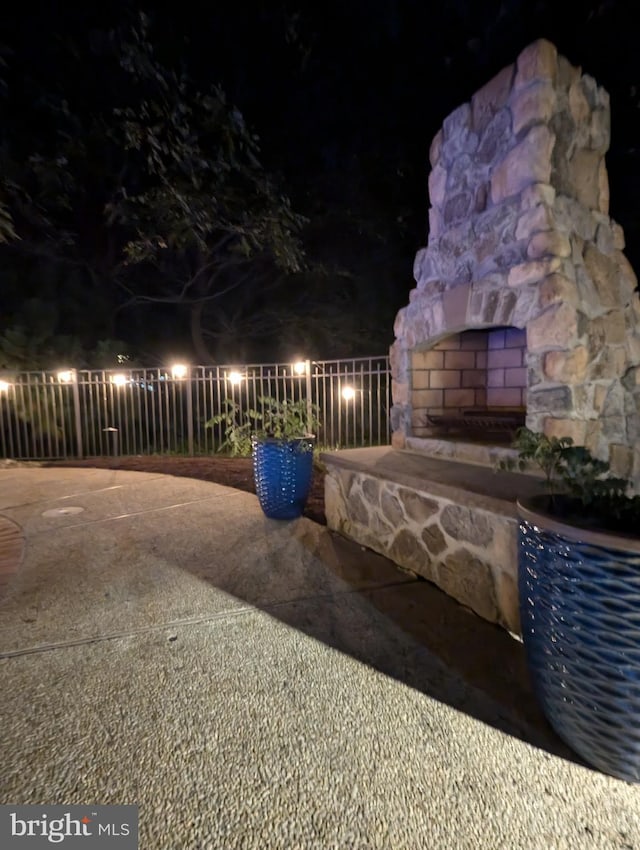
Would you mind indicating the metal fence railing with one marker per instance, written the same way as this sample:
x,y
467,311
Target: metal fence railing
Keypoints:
x,y
88,413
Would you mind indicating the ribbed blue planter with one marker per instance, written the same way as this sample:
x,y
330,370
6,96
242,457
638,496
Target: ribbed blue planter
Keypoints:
x,y
580,612
282,470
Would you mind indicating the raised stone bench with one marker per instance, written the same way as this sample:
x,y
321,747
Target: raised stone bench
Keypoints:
x,y
453,523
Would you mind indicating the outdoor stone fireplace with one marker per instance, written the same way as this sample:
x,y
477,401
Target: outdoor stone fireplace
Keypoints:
x,y
520,241
525,310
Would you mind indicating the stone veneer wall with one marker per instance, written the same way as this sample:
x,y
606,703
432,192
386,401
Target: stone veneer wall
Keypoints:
x,y
519,235
464,543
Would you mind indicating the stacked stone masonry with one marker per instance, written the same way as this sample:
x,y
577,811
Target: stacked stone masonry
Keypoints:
x,y
466,549
520,237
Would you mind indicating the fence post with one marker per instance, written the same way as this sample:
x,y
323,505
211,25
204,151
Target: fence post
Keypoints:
x,y
189,412
307,375
75,391
113,443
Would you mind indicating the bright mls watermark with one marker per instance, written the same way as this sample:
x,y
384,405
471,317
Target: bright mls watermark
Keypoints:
x,y
70,827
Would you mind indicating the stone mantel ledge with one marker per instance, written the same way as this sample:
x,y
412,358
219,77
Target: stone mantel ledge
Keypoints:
x,y
467,484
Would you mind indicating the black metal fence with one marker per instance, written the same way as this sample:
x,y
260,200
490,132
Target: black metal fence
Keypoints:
x,y
49,415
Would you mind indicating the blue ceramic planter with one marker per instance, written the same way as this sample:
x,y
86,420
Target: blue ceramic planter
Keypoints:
x,y
580,612
282,471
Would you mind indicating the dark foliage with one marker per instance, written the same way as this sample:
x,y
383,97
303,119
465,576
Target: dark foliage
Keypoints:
x,y
345,97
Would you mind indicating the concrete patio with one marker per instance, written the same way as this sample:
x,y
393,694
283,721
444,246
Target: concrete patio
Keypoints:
x,y
250,683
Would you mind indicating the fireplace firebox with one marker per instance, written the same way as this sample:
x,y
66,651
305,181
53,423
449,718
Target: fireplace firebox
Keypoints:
x,y
470,385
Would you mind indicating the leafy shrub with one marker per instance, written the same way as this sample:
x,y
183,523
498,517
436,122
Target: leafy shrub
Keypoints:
x,y
281,420
578,484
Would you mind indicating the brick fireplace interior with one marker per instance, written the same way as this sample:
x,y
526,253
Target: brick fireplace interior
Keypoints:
x,y
472,384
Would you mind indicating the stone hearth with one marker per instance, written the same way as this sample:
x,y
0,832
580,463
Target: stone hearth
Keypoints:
x,y
447,521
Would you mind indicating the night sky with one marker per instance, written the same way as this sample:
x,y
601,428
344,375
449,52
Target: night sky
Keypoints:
x,y
346,97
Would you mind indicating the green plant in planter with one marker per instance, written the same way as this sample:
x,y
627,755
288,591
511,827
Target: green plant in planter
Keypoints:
x,y
237,426
275,419
579,592
580,488
287,420
283,457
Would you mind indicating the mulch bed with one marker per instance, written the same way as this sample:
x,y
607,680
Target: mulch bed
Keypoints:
x,y
230,471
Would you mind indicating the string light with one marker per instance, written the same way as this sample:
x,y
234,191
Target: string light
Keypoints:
x,y
179,371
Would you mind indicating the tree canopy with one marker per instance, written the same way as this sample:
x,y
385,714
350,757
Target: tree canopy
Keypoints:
x,y
141,213
156,194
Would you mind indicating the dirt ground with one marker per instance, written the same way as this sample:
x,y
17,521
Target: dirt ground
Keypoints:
x,y
231,471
